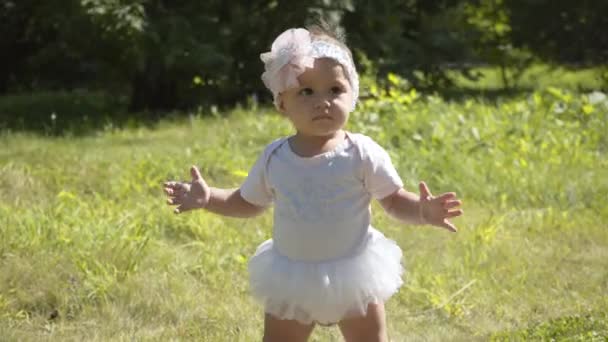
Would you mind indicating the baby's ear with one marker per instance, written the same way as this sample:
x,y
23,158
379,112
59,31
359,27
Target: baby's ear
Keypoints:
x,y
280,104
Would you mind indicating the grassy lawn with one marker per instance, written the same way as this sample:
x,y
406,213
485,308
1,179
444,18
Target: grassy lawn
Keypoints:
x,y
89,251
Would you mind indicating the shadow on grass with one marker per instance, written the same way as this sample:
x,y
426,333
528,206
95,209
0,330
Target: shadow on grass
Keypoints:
x,y
85,126
73,113
86,113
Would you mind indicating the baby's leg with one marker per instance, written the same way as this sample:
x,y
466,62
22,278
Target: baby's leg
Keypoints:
x,y
279,330
370,328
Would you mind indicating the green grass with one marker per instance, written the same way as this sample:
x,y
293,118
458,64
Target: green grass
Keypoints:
x,y
89,251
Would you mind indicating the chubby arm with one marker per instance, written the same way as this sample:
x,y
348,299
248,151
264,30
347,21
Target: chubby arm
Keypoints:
x,y
229,202
198,195
411,208
403,206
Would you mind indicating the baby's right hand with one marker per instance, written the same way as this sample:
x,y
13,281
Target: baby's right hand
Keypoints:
x,y
187,196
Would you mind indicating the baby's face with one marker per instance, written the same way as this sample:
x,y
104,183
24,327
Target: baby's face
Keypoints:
x,y
320,105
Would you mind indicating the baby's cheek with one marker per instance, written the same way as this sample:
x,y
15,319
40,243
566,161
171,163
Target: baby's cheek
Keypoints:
x,y
342,104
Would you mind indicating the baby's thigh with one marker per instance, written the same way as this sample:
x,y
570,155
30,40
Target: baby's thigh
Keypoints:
x,y
371,327
281,330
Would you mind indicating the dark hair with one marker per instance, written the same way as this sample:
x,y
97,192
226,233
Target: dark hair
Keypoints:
x,y
322,30
321,27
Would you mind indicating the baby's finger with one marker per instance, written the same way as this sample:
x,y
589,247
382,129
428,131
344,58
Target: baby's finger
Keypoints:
x,y
174,201
446,197
424,190
182,187
451,204
176,191
195,173
453,213
182,208
449,226
172,183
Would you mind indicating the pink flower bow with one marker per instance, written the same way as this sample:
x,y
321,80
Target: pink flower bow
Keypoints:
x,y
288,58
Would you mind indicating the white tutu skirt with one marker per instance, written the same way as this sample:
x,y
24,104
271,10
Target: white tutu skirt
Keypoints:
x,y
326,292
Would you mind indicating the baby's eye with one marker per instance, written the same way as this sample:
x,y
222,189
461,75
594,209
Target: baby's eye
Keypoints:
x,y
337,90
305,91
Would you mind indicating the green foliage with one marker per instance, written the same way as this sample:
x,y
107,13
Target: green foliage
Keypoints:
x,y
407,37
526,124
117,17
561,31
587,327
151,51
491,23
215,42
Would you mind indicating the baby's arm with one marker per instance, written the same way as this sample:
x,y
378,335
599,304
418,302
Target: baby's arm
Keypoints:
x,y
229,202
198,195
424,209
403,205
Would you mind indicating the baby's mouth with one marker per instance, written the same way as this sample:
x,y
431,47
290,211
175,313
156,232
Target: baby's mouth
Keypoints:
x,y
322,117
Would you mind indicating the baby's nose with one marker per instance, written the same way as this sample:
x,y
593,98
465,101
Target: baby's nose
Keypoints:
x,y
323,103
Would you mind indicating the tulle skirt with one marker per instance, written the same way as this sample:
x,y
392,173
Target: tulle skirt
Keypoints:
x,y
328,291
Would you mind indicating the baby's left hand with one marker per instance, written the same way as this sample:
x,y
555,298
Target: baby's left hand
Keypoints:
x,y
437,210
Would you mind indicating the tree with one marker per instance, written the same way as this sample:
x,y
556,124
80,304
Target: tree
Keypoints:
x,y
406,37
561,31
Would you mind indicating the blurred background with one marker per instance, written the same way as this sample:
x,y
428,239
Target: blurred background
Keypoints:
x,y
74,65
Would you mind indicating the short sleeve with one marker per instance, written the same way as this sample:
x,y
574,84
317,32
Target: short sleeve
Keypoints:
x,y
379,175
256,188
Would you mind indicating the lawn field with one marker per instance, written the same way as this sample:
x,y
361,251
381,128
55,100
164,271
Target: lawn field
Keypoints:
x,y
89,251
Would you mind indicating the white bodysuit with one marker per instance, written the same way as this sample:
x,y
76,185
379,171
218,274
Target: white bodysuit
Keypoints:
x,y
325,261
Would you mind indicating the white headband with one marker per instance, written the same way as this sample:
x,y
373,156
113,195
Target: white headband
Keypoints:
x,y
292,52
